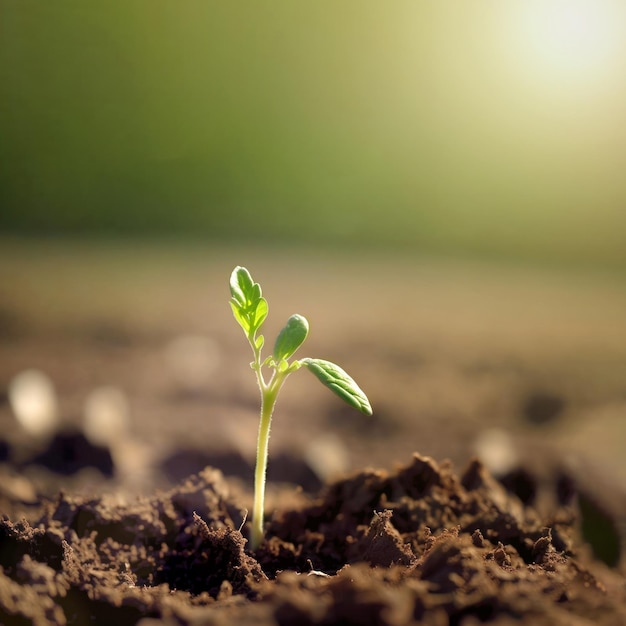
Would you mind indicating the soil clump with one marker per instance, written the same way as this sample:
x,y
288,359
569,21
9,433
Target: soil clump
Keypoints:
x,y
417,545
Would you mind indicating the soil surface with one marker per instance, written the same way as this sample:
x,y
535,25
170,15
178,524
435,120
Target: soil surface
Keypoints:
x,y
488,487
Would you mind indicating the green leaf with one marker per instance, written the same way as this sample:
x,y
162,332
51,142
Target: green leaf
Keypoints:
x,y
260,312
243,319
291,337
249,307
240,284
255,292
338,381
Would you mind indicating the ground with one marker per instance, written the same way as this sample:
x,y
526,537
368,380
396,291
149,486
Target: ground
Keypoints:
x,y
488,486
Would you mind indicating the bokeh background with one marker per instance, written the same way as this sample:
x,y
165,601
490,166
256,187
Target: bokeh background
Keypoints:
x,y
482,128
438,186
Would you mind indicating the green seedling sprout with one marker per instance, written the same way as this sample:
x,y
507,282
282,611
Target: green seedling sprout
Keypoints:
x,y
250,310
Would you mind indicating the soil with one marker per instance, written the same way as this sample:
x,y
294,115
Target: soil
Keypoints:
x,y
501,496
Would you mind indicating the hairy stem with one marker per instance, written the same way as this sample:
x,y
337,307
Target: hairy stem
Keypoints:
x,y
269,393
267,407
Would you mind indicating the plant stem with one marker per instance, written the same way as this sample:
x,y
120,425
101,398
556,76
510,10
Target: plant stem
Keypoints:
x,y
268,398
269,392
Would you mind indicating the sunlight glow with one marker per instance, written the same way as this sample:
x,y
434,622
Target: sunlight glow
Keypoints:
x,y
573,39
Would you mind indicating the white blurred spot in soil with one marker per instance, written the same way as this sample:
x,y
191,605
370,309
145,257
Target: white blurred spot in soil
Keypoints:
x,y
495,448
192,359
34,402
107,422
107,416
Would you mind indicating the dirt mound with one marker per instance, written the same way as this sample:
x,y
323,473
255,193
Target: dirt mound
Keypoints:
x,y
419,545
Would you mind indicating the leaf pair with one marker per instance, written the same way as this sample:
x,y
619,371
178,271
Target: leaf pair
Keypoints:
x,y
250,309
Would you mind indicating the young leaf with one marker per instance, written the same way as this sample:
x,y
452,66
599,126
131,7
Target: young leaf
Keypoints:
x,y
291,337
241,317
240,285
249,307
260,312
338,381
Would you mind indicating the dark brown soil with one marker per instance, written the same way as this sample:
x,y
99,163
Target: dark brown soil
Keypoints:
x,y
419,545
152,528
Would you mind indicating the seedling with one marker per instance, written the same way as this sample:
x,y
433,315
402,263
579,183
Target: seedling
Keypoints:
x,y
250,309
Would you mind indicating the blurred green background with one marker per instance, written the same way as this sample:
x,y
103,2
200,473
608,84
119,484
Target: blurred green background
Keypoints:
x,y
483,128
